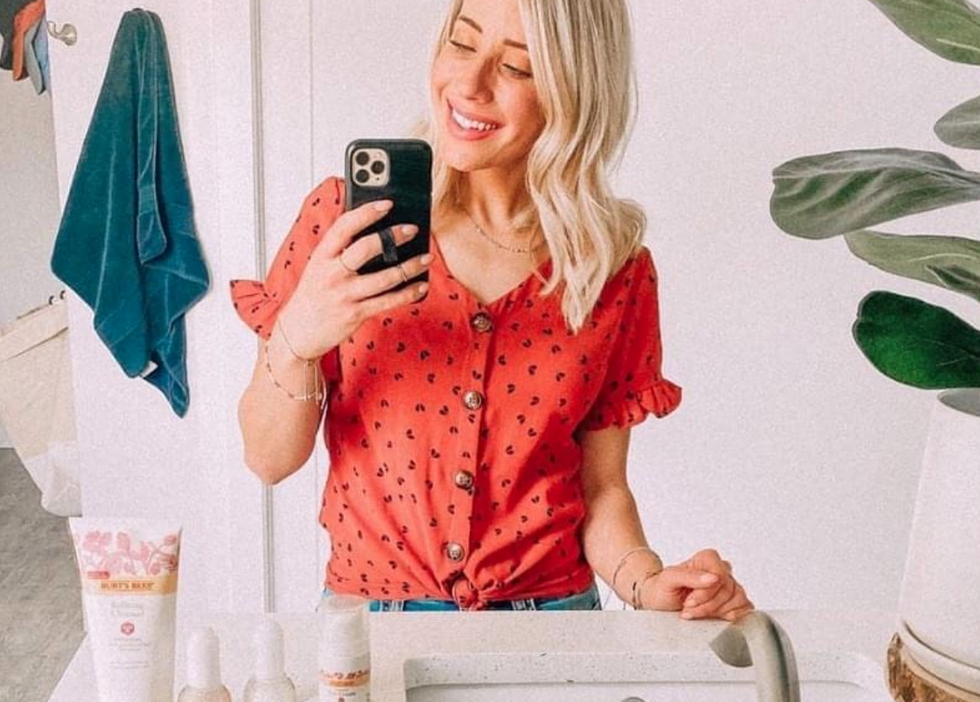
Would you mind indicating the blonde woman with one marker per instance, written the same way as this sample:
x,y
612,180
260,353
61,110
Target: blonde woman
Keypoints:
x,y
478,425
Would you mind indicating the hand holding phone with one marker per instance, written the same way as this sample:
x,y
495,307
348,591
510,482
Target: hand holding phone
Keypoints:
x,y
330,302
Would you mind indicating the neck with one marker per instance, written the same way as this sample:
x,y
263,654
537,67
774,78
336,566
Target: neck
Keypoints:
x,y
494,198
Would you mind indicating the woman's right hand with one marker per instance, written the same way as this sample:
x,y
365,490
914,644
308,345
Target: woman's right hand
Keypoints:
x,y
702,586
330,302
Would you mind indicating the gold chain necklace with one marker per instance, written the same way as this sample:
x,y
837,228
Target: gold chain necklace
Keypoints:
x,y
494,241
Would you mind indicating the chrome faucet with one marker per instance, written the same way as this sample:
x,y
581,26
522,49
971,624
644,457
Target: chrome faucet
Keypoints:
x,y
757,640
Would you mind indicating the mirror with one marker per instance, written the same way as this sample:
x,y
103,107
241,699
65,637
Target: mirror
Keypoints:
x,y
785,439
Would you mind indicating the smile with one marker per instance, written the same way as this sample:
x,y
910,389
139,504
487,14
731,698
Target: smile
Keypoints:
x,y
472,124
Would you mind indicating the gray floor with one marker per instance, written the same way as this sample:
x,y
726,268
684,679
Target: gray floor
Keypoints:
x,y
40,598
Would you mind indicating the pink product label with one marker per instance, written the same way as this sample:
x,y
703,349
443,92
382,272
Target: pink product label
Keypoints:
x,y
106,554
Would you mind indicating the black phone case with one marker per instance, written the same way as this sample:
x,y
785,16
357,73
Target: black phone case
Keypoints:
x,y
409,187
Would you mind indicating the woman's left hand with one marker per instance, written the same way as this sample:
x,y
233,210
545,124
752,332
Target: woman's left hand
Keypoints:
x,y
680,587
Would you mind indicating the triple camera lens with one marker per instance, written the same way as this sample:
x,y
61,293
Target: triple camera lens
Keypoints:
x,y
368,162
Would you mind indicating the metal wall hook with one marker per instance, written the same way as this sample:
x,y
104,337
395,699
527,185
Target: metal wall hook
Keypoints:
x,y
68,34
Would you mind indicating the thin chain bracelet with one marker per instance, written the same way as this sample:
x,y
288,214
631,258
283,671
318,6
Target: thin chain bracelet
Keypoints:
x,y
625,556
638,587
282,333
318,391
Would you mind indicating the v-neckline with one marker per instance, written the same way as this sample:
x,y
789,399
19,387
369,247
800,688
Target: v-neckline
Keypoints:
x,y
543,269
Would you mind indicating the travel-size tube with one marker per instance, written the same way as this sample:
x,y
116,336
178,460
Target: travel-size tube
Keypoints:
x,y
343,649
128,569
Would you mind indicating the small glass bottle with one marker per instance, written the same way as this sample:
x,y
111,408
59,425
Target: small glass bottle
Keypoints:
x,y
269,682
203,669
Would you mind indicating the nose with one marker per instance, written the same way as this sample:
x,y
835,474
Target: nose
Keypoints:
x,y
475,80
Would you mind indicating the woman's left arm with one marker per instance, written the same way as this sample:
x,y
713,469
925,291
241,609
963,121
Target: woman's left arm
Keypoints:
x,y
612,528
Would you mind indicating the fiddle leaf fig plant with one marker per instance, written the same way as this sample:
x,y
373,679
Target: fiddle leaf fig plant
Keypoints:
x,y
947,261
916,343
842,193
949,28
960,126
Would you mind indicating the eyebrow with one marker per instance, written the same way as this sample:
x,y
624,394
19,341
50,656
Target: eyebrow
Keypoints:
x,y
473,23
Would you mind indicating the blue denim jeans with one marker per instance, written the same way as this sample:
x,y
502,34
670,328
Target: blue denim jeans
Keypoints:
x,y
587,599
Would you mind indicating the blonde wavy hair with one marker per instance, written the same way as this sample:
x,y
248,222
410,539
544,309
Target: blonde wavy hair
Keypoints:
x,y
581,54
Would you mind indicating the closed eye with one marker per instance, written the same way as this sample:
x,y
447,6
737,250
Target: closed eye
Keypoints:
x,y
461,47
517,71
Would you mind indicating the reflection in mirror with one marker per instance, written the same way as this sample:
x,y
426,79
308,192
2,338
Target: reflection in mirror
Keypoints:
x,y
478,393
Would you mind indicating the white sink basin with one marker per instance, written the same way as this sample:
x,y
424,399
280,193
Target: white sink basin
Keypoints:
x,y
567,677
608,656
650,692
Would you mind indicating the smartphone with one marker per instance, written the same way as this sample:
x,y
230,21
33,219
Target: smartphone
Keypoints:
x,y
399,170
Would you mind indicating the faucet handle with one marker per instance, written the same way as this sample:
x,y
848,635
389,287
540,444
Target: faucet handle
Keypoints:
x,y
757,639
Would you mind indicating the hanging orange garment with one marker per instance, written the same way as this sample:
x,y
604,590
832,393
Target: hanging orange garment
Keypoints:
x,y
25,18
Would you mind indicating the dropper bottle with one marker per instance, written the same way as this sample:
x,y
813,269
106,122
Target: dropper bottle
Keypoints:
x,y
269,683
203,669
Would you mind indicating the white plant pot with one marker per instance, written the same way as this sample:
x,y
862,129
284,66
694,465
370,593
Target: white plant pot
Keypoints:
x,y
940,594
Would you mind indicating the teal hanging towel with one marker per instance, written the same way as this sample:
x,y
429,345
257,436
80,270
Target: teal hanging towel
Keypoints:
x,y
127,243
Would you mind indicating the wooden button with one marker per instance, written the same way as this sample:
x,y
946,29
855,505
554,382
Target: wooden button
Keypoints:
x,y
481,322
455,551
464,479
472,400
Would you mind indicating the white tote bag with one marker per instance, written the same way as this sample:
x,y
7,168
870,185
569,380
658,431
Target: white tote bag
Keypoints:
x,y
37,406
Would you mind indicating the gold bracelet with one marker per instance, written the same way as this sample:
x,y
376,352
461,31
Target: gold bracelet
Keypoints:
x,y
282,333
318,392
622,561
638,587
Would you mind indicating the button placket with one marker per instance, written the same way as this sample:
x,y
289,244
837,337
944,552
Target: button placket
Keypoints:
x,y
473,400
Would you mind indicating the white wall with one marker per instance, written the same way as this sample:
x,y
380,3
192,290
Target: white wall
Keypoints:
x,y
28,201
790,453
137,458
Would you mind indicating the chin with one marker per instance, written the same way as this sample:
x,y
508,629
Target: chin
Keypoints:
x,y
464,165
463,162
468,160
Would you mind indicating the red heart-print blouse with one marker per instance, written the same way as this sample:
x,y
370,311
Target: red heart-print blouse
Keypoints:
x,y
451,425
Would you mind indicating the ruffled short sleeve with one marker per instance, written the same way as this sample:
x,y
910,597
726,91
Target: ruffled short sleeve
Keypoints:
x,y
258,302
634,387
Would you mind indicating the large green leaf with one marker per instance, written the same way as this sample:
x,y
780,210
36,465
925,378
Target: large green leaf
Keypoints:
x,y
959,279
824,195
960,126
948,261
916,343
949,28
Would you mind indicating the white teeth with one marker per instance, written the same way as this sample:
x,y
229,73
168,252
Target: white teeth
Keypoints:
x,y
471,123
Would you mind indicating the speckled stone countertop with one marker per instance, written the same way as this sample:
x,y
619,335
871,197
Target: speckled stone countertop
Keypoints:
x,y
412,649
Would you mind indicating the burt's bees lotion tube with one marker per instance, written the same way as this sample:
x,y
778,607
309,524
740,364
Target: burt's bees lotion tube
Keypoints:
x,y
128,570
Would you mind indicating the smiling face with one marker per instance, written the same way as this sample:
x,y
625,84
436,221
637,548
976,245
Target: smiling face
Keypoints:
x,y
485,105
